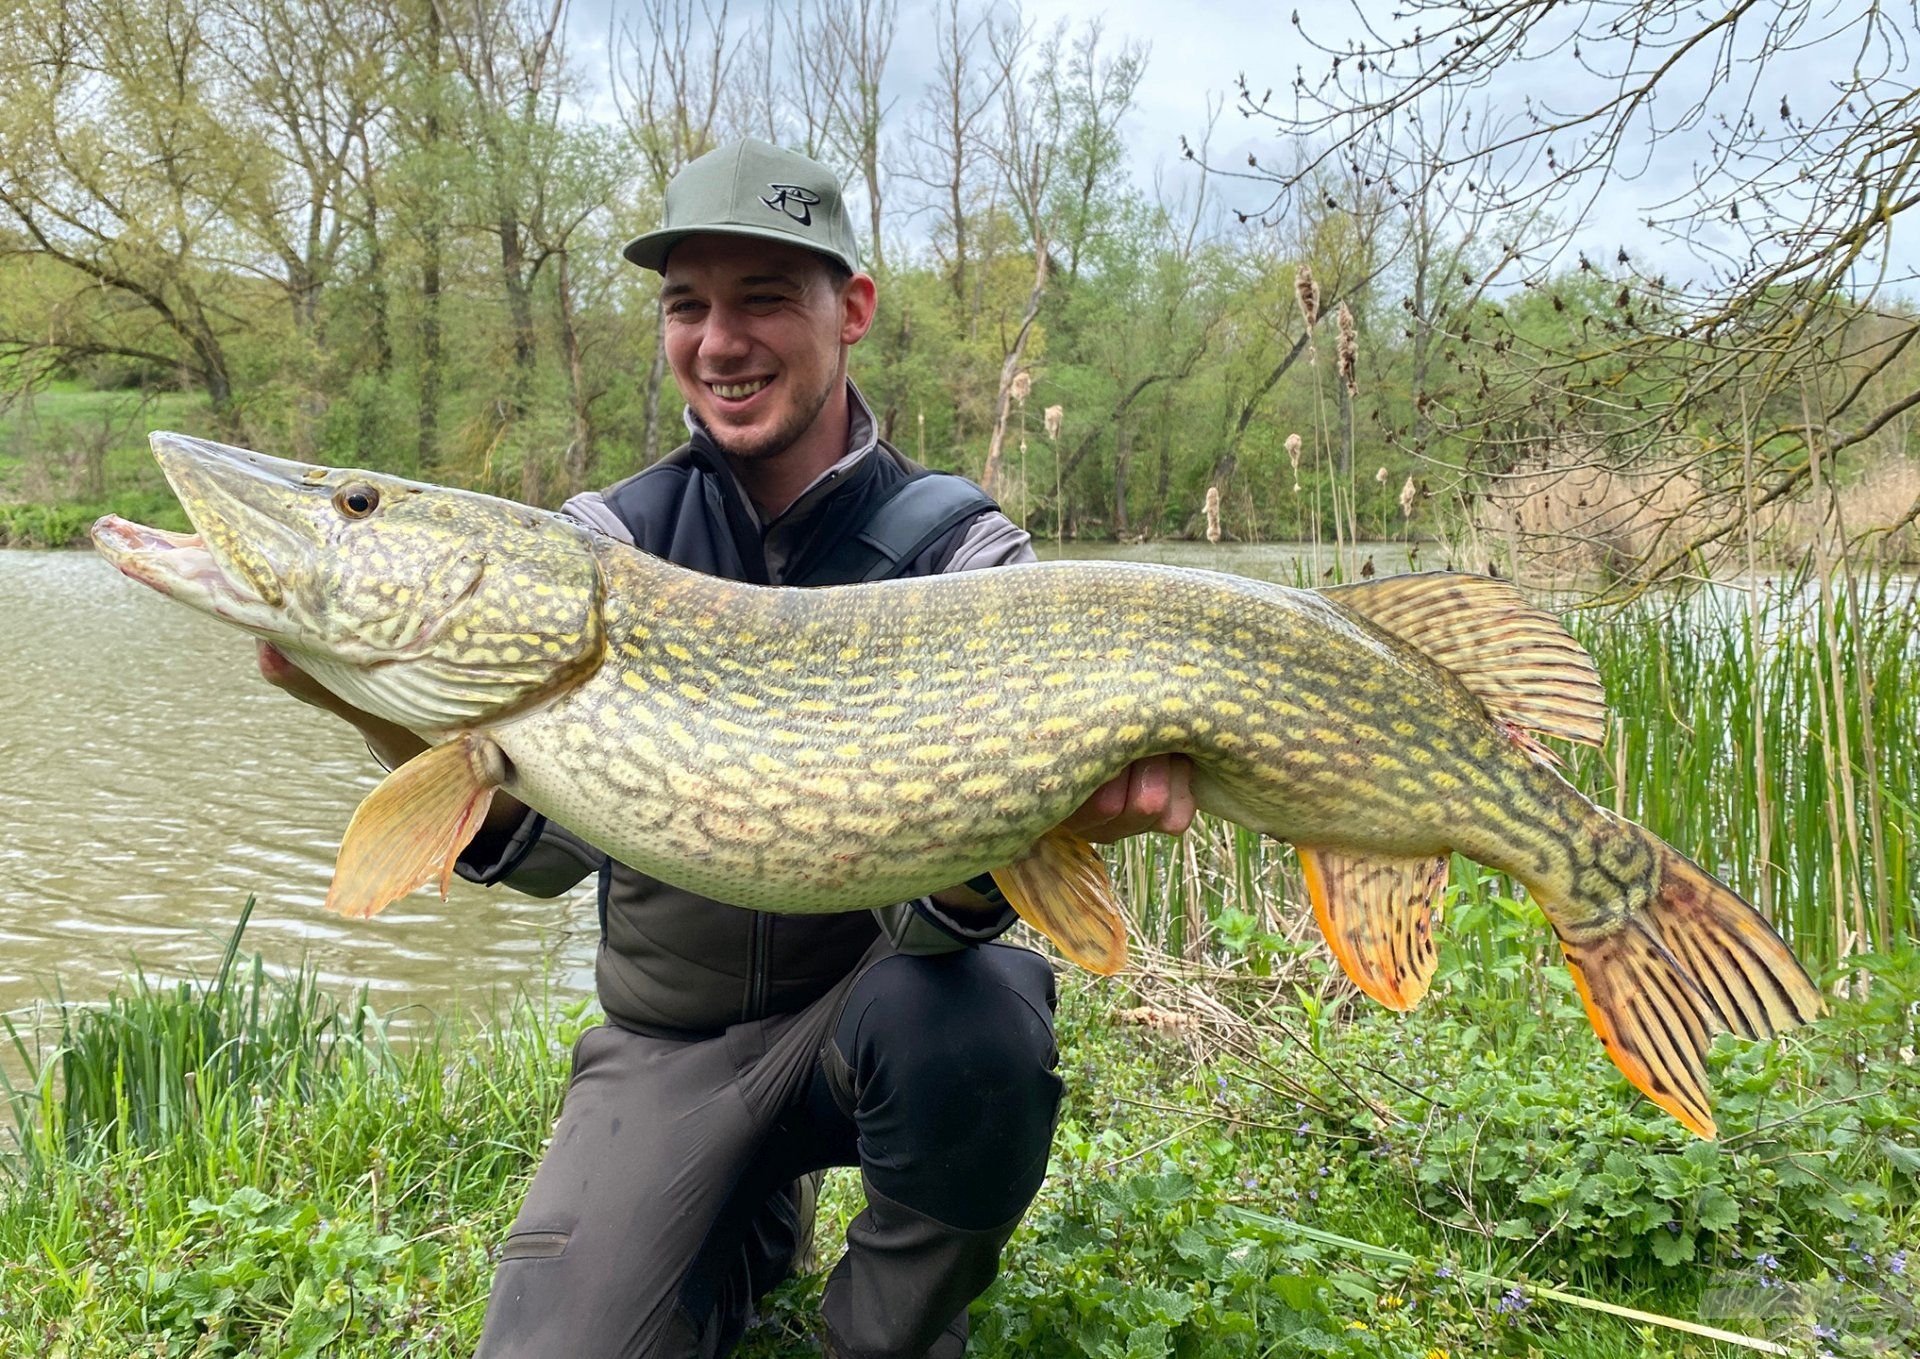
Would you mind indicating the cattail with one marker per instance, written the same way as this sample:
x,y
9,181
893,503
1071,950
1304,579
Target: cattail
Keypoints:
x,y
1022,385
1054,414
1213,514
1381,476
1293,451
1408,494
1348,351
1308,292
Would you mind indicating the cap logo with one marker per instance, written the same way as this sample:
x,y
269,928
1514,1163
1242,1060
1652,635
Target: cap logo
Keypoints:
x,y
793,200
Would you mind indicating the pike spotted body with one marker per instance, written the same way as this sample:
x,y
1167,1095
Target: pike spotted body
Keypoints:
x,y
824,750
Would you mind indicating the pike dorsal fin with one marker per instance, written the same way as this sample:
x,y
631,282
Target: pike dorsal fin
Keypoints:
x,y
1511,655
411,828
1061,888
1377,915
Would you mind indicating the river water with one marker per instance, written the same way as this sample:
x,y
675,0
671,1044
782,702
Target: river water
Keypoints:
x,y
153,783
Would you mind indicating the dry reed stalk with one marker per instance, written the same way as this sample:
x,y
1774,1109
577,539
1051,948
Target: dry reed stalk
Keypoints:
x,y
1347,351
1834,736
1762,781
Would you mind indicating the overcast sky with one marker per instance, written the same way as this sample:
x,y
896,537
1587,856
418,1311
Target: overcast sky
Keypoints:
x,y
1198,47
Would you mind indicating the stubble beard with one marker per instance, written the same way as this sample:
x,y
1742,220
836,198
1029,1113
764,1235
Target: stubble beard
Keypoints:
x,y
783,436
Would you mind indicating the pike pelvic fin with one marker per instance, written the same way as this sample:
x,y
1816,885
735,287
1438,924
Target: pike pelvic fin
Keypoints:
x,y
1695,962
1377,916
1061,888
1514,657
409,831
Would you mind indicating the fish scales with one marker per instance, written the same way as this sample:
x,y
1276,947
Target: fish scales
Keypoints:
x,y
892,739
824,750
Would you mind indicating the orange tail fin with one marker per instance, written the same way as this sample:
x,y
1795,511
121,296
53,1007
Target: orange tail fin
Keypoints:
x,y
1696,961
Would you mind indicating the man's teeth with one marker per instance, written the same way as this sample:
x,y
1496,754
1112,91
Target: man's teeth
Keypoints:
x,y
733,391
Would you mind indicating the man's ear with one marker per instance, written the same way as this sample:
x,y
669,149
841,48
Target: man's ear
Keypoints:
x,y
858,297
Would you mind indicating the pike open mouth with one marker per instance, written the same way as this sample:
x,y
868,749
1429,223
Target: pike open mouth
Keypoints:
x,y
172,563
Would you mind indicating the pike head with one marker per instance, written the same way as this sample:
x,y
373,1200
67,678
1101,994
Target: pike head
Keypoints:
x,y
433,608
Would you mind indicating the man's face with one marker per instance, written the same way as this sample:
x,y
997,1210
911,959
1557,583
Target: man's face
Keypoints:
x,y
756,335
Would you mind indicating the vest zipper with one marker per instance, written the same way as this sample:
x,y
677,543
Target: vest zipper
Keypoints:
x,y
758,972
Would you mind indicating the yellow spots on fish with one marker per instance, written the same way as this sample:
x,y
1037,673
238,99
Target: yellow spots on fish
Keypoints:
x,y
848,750
936,750
928,721
745,700
1173,703
1170,731
1404,728
762,763
984,785
1057,678
782,666
678,652
813,705
633,681
1445,781
825,786
1062,627
916,791
692,692
1227,740
1226,707
681,736
986,698
907,676
1037,759
1056,726
1359,705
889,710
1266,740
1382,760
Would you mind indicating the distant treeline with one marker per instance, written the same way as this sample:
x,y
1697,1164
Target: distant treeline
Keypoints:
x,y
387,234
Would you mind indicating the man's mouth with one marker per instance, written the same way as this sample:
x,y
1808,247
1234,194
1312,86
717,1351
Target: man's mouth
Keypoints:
x,y
732,394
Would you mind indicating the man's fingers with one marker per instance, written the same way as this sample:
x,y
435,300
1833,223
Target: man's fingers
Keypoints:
x,y
1150,791
1180,804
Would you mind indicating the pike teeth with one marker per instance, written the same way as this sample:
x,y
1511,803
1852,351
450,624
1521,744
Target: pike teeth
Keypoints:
x,y
733,391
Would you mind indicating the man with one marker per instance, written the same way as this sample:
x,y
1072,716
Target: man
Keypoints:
x,y
745,1050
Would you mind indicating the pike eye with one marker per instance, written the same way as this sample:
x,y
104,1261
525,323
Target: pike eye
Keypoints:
x,y
356,502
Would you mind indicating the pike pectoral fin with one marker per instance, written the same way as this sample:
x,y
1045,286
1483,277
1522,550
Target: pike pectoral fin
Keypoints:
x,y
1062,889
1377,915
410,830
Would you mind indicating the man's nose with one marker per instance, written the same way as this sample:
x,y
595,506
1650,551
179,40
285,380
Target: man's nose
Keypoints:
x,y
725,335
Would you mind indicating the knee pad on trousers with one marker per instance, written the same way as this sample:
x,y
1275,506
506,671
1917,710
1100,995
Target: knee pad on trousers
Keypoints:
x,y
949,1064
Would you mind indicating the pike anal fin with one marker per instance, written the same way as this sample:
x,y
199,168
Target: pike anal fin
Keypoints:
x,y
409,831
1377,916
1061,888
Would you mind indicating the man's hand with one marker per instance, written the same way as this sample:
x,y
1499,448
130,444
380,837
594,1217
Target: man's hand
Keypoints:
x,y
1154,794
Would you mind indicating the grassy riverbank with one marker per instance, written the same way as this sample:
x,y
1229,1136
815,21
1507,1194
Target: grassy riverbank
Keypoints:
x,y
253,1168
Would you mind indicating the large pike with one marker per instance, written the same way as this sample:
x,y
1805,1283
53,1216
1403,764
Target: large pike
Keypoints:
x,y
829,749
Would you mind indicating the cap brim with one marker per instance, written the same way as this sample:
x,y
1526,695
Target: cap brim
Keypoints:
x,y
650,251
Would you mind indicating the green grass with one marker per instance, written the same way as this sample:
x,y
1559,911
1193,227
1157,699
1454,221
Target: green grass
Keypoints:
x,y
48,443
250,1166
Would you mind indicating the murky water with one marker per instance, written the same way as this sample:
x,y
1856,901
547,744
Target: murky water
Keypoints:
x,y
152,783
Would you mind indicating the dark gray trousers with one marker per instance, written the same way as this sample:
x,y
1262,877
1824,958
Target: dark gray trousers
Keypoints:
x,y
663,1207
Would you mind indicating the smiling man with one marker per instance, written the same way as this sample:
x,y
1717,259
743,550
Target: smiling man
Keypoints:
x,y
745,1051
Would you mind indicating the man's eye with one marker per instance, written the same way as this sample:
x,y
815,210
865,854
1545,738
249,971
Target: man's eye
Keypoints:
x,y
681,308
764,299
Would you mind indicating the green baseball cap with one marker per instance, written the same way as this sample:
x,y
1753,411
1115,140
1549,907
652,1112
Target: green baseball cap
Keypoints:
x,y
751,188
